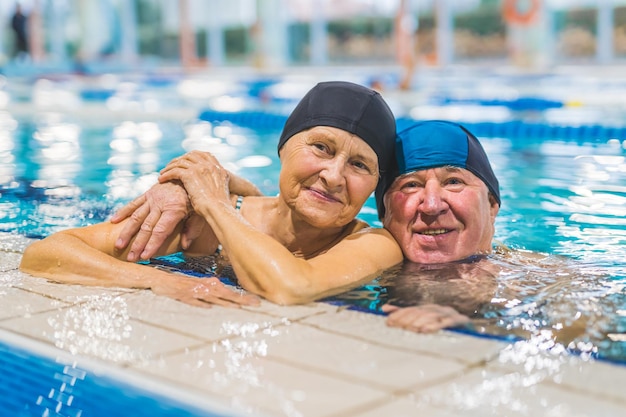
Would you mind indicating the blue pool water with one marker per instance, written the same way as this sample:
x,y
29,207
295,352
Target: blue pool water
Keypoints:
x,y
563,193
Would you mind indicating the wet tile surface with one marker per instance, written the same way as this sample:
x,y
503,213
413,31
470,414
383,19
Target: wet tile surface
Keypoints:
x,y
366,362
72,294
17,303
211,323
493,393
372,328
242,374
9,261
311,360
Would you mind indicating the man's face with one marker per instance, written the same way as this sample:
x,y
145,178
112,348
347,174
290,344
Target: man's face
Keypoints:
x,y
440,215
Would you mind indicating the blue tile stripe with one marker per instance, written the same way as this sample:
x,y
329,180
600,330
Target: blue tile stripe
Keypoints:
x,y
31,385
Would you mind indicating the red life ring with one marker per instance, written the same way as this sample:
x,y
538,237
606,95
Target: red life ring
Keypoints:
x,y
512,13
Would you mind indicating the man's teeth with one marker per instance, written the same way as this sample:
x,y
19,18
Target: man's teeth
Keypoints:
x,y
434,232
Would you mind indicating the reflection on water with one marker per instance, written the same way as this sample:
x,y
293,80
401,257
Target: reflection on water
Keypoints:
x,y
564,198
556,193
55,173
552,302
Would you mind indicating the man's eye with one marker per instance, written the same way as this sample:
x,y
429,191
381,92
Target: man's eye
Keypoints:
x,y
410,184
454,181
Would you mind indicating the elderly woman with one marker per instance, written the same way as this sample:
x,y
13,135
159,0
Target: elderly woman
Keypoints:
x,y
292,248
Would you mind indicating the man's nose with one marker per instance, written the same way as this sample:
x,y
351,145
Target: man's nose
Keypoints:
x,y
432,202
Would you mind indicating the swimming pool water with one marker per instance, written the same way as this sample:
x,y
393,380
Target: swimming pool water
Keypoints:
x,y
56,174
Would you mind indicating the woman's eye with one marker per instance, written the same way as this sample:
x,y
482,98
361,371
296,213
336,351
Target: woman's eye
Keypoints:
x,y
321,146
360,165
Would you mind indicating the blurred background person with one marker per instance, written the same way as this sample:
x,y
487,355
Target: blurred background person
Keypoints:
x,y
19,23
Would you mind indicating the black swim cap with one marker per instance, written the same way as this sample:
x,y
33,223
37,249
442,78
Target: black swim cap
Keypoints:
x,y
437,143
350,107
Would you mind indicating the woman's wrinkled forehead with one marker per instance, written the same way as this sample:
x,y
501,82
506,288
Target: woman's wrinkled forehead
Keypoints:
x,y
338,139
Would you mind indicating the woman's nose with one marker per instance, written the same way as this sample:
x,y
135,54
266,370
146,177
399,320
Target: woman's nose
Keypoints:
x,y
333,173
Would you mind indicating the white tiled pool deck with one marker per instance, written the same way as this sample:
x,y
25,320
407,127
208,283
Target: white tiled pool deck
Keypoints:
x,y
311,360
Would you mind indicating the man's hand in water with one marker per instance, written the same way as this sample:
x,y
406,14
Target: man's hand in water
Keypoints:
x,y
427,318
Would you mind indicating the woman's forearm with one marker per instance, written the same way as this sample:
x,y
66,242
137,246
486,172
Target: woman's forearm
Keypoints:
x,y
266,267
87,256
64,257
249,250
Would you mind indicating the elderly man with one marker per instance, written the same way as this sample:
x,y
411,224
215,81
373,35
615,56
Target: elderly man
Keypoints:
x,y
440,204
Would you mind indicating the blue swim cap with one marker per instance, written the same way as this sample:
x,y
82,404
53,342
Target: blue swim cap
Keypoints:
x,y
433,144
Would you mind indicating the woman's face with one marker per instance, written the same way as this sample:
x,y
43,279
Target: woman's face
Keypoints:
x,y
327,175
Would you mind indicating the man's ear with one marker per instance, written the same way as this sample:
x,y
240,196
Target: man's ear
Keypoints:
x,y
494,206
387,217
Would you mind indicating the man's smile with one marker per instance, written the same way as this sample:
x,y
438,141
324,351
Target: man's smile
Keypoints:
x,y
434,232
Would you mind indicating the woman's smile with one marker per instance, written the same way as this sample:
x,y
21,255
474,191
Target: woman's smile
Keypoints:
x,y
323,195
